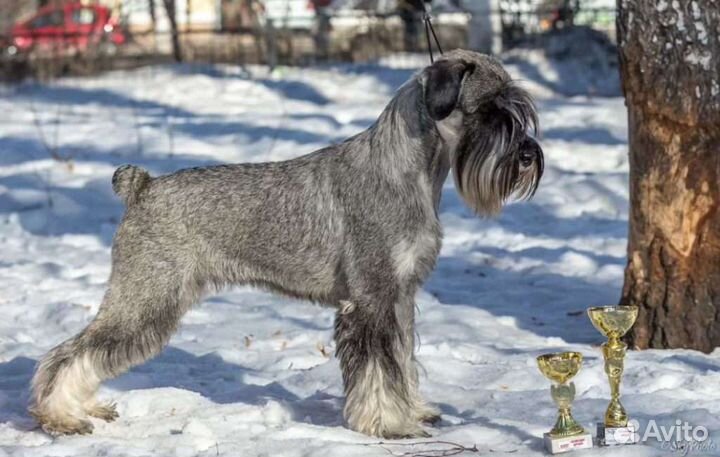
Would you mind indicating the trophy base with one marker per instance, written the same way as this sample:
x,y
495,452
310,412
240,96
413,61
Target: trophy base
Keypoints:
x,y
616,436
568,443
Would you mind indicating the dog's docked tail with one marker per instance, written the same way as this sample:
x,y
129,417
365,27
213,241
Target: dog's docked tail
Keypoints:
x,y
128,181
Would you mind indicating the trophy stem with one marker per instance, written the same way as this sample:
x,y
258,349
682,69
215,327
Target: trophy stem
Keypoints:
x,y
614,355
565,425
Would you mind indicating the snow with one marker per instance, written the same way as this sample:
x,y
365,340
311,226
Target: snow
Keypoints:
x,y
570,61
680,24
253,374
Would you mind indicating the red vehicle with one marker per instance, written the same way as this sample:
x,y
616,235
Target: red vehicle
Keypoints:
x,y
67,29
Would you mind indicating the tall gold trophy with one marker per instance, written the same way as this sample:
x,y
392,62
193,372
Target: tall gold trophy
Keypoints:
x,y
614,322
567,434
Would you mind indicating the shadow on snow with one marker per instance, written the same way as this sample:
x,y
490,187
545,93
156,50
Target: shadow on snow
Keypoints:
x,y
208,374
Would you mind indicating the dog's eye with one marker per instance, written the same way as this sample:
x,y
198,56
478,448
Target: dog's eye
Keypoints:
x,y
527,157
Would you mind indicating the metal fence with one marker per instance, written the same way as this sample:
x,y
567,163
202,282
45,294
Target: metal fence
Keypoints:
x,y
523,23
254,31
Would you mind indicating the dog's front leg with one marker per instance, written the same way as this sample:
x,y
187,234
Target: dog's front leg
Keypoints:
x,y
405,312
374,356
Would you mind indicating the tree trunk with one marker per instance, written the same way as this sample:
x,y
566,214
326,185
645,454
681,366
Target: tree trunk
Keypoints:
x,y
153,17
172,18
669,61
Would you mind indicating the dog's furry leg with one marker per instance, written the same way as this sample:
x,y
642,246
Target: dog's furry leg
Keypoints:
x,y
135,321
423,411
370,347
65,380
68,377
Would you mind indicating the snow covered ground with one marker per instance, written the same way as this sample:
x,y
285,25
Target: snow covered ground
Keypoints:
x,y
251,374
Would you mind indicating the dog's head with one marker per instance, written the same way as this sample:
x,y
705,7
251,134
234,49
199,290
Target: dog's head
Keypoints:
x,y
488,122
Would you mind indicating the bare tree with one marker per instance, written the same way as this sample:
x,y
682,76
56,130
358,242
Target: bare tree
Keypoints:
x,y
10,11
153,16
171,10
670,56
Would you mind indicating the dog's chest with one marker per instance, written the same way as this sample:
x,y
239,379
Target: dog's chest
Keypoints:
x,y
415,251
414,257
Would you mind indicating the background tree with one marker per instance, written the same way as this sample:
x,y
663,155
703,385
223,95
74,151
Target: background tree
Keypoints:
x,y
174,34
153,17
670,61
11,11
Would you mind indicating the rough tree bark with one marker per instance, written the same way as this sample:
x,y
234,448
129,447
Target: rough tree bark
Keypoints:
x,y
670,67
174,34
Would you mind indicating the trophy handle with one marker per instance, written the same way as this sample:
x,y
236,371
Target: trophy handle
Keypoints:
x,y
614,355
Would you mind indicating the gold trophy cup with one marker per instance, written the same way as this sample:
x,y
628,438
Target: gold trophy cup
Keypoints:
x,y
614,322
567,434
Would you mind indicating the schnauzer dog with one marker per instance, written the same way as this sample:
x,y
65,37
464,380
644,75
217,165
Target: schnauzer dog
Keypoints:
x,y
354,226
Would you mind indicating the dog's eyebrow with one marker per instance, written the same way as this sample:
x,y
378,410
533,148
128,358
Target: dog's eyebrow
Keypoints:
x,y
520,105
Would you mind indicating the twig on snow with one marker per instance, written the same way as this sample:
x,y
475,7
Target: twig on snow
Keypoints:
x,y
52,148
449,448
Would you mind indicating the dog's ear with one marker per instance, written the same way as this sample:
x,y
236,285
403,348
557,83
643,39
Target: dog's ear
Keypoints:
x,y
443,81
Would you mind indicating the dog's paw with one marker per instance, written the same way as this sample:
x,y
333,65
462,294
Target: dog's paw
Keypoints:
x,y
106,412
428,414
425,412
409,432
391,429
66,426
431,419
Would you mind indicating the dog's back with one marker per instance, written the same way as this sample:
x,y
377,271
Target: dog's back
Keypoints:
x,y
276,225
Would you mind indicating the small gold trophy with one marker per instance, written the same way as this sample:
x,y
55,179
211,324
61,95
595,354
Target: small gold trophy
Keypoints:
x,y
614,322
567,434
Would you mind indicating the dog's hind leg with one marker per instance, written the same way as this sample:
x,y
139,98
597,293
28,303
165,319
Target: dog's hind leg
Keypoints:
x,y
371,349
139,313
65,378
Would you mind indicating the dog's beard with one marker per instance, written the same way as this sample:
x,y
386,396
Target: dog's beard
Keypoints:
x,y
486,164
